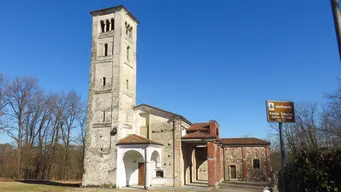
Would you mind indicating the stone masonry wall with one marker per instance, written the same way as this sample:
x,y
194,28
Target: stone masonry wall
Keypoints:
x,y
178,158
100,153
233,156
242,158
252,173
162,132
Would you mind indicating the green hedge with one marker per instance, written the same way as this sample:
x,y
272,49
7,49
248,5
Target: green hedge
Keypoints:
x,y
312,171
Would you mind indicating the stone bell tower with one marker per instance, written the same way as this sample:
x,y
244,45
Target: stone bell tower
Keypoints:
x,y
112,92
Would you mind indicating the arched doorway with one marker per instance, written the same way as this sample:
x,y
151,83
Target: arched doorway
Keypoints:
x,y
155,165
134,168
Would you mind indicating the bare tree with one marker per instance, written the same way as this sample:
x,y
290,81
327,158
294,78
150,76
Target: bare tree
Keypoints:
x,y
81,138
305,132
332,116
41,126
3,103
19,95
70,108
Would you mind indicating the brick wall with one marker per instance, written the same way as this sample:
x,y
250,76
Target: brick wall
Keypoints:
x,y
221,163
213,128
211,163
218,164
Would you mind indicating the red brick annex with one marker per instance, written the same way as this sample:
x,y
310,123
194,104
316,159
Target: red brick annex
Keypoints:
x,y
243,159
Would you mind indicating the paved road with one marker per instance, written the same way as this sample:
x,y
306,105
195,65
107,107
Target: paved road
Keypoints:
x,y
228,188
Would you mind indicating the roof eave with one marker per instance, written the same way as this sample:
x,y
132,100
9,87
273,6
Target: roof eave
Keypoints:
x,y
172,114
113,9
118,144
199,139
236,145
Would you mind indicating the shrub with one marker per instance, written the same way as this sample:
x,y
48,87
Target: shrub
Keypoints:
x,y
317,170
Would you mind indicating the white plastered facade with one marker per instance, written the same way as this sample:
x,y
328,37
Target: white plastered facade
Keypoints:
x,y
128,158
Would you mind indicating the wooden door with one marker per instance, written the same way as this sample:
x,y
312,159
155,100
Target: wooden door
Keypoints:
x,y
141,174
233,171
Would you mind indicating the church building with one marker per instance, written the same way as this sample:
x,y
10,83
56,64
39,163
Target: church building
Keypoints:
x,y
142,145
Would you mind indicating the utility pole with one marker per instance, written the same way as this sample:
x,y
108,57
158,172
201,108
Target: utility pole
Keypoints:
x,y
337,22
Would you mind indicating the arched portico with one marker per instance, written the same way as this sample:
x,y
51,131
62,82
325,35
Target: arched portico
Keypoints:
x,y
133,168
137,164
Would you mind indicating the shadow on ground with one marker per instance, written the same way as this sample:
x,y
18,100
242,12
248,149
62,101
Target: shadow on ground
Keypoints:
x,y
198,183
52,183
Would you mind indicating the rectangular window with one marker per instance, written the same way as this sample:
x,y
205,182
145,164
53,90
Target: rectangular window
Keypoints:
x,y
131,32
256,164
103,116
128,52
127,84
106,49
104,81
159,173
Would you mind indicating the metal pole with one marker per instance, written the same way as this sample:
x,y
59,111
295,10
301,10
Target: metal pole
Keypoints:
x,y
337,24
282,154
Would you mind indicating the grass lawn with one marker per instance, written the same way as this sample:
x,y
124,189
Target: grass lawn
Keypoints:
x,y
18,186
51,187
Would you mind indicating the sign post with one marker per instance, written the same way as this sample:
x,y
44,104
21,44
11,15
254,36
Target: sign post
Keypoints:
x,y
281,112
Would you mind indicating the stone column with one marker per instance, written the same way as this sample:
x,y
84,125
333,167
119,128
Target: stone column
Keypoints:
x,y
148,167
177,151
193,165
119,165
211,163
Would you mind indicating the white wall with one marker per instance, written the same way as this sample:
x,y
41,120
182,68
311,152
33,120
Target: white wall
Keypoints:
x,y
131,169
128,158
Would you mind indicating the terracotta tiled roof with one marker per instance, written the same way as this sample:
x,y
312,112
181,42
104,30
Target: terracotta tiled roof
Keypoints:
x,y
198,135
199,127
136,139
243,141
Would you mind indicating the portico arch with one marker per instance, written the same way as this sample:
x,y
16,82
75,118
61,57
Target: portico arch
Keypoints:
x,y
155,165
132,159
155,159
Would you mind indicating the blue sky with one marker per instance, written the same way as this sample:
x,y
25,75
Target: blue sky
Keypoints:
x,y
202,59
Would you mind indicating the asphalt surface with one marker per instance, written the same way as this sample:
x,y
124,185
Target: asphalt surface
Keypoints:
x,y
228,188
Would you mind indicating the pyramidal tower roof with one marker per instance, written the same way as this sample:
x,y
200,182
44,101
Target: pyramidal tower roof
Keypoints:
x,y
112,10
